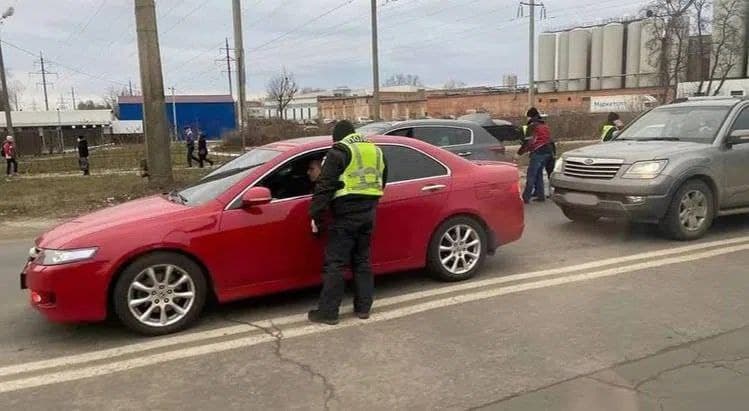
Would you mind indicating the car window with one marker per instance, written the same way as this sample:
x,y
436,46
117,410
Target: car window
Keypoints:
x,y
443,136
403,132
223,178
408,164
504,132
291,179
742,121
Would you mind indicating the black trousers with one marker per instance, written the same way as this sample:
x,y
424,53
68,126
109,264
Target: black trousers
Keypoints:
x,y
191,156
12,166
349,242
203,158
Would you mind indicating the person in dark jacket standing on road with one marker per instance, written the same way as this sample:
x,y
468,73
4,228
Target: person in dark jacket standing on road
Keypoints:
x,y
203,151
350,184
83,155
539,145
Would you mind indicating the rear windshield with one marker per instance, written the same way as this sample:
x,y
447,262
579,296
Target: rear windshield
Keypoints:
x,y
693,124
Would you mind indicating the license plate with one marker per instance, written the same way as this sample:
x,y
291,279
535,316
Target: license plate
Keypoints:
x,y
23,281
581,199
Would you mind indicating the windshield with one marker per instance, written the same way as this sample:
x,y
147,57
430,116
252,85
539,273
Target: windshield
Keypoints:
x,y
373,129
221,179
693,124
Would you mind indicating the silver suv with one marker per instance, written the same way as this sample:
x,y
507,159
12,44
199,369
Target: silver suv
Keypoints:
x,y
678,166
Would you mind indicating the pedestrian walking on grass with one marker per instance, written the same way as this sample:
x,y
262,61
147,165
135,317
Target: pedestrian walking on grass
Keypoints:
x,y
539,144
190,143
203,151
9,153
83,162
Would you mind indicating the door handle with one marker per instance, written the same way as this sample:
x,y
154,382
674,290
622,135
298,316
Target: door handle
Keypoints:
x,y
465,153
433,187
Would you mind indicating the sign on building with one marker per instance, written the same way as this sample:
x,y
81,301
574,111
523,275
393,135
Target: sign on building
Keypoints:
x,y
621,104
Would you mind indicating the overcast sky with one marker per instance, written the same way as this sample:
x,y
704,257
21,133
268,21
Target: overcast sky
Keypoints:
x,y
91,43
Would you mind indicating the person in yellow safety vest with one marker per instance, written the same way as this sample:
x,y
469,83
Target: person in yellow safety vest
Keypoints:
x,y
350,184
613,123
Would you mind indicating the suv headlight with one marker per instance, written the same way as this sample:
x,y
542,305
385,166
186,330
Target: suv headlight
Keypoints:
x,y
58,257
558,165
645,169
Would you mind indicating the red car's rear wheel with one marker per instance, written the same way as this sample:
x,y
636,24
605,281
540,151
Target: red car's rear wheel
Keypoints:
x,y
458,249
160,293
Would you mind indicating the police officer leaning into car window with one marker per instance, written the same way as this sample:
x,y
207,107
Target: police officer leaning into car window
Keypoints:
x,y
350,184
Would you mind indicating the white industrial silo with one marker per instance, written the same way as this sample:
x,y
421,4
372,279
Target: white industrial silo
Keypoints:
x,y
547,44
634,37
648,55
596,57
578,59
613,48
563,60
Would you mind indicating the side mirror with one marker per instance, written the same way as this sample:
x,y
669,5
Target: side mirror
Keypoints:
x,y
737,137
256,196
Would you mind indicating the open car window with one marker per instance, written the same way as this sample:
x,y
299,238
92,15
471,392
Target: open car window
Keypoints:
x,y
291,180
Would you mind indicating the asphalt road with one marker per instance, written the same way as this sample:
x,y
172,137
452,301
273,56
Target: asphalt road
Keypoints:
x,y
572,317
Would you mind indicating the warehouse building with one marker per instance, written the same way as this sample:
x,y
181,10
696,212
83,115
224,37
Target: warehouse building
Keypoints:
x,y
214,115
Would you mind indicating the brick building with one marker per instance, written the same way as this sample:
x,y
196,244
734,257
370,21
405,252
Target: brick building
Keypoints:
x,y
396,103
508,104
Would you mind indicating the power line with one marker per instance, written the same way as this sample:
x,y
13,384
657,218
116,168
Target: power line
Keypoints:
x,y
183,18
82,28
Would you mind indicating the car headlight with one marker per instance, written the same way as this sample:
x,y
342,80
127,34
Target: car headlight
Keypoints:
x,y
58,257
645,169
558,165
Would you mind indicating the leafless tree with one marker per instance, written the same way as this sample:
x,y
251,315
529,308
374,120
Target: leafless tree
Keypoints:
x,y
112,95
92,105
281,90
728,37
401,79
453,84
669,22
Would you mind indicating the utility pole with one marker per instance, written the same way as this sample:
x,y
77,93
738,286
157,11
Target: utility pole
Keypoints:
x,y
130,87
174,111
375,65
159,159
228,66
45,84
532,4
72,94
6,95
241,75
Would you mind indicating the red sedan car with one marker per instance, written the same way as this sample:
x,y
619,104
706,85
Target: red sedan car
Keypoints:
x,y
244,231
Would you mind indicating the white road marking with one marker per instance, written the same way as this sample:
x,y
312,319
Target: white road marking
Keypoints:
x,y
379,304
125,365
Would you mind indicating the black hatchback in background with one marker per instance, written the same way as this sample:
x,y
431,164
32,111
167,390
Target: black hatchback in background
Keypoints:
x,y
465,138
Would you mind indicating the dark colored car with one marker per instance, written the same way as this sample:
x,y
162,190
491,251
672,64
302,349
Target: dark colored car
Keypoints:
x,y
467,139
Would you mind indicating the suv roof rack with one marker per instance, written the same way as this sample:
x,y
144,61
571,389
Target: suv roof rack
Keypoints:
x,y
707,98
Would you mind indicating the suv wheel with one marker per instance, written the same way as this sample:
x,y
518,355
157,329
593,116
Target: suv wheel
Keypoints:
x,y
690,213
579,216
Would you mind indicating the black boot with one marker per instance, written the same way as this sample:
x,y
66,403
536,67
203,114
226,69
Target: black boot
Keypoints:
x,y
316,316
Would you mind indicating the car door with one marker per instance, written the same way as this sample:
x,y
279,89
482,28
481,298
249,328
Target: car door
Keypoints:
x,y
736,161
272,245
415,195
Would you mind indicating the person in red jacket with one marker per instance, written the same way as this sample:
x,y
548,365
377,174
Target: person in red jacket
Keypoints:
x,y
9,153
540,146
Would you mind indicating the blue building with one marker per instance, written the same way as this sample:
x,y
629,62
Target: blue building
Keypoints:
x,y
211,114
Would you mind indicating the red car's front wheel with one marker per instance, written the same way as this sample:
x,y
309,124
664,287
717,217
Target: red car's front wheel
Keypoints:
x,y
160,293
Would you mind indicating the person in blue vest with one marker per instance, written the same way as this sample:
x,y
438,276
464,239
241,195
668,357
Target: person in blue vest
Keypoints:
x,y
350,184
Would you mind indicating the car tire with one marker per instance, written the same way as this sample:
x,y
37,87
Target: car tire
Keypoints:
x,y
579,216
172,286
457,249
690,213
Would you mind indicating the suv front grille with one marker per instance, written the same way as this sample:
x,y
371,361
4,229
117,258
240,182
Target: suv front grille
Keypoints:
x,y
597,168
